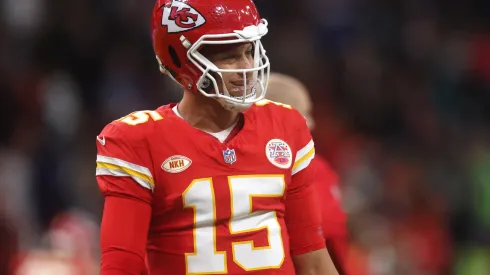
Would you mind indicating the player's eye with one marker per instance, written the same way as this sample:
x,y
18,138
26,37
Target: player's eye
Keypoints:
x,y
251,51
229,58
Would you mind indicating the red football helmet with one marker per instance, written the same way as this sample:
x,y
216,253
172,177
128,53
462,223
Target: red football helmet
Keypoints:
x,y
181,28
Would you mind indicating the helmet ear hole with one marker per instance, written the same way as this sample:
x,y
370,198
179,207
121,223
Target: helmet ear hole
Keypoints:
x,y
173,55
207,84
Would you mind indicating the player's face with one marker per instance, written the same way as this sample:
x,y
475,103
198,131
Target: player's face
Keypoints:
x,y
233,56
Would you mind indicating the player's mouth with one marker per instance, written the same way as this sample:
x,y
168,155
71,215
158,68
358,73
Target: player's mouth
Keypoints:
x,y
236,91
251,94
239,86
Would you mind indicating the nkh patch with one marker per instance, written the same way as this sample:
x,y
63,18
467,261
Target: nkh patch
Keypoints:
x,y
176,164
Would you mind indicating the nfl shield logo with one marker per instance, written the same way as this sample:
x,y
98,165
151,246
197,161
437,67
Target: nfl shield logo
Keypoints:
x,y
229,156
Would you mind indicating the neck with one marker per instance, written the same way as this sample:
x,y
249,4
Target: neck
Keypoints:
x,y
206,113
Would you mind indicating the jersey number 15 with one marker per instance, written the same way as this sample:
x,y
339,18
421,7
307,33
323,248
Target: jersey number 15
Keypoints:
x,y
206,258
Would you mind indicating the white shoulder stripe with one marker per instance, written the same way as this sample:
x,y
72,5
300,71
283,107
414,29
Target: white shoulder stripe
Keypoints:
x,y
119,162
304,163
122,173
305,150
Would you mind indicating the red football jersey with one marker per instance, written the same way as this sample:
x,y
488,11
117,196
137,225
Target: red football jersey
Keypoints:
x,y
243,206
334,218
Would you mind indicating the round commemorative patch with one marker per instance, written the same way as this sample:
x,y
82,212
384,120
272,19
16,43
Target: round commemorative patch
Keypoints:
x,y
279,153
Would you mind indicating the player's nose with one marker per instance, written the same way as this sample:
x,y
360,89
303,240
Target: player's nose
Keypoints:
x,y
245,63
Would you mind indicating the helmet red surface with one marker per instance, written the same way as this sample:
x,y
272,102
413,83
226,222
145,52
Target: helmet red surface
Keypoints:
x,y
173,21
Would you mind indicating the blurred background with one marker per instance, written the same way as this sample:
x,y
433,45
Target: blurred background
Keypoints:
x,y
402,102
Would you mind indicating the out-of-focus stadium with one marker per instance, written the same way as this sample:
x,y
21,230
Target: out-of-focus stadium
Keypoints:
x,y
401,93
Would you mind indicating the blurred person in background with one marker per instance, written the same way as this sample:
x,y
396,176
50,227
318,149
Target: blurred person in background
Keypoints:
x,y
288,90
217,183
69,248
8,244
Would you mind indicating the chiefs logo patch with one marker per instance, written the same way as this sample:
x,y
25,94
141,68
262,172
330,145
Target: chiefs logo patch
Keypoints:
x,y
179,17
279,153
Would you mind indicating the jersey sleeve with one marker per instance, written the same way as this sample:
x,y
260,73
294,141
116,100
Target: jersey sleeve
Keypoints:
x,y
124,165
303,215
123,235
333,217
327,188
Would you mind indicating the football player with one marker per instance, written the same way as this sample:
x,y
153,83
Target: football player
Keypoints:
x,y
289,90
221,182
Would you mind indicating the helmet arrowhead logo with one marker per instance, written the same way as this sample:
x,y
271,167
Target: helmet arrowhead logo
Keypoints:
x,y
180,17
